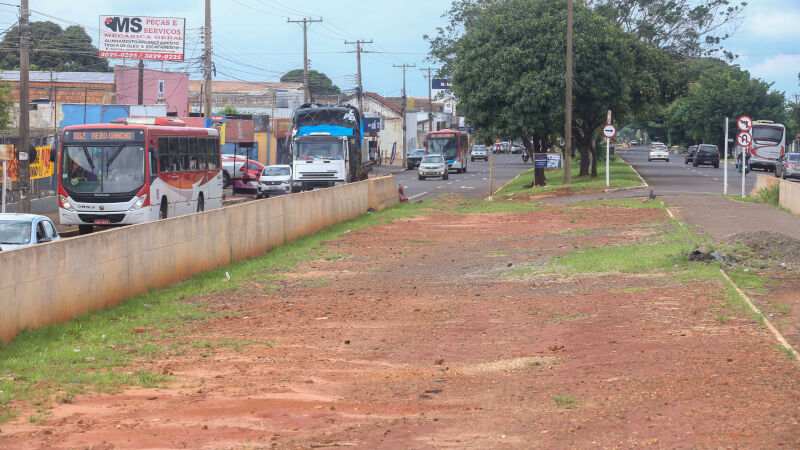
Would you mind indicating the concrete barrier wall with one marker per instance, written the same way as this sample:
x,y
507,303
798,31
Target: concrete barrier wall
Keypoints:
x,y
763,181
57,281
790,196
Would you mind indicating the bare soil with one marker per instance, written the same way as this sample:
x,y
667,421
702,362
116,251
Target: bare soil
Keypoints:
x,y
419,339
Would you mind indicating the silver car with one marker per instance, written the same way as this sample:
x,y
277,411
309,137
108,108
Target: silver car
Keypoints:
x,y
23,230
274,180
433,166
788,166
479,152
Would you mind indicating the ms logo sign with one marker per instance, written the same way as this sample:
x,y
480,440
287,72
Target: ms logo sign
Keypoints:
x,y
126,25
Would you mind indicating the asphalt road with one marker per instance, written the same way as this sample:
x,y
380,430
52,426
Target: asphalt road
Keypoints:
x,y
473,184
675,177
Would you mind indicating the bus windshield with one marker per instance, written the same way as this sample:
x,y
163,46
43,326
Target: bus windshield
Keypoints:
x,y
767,133
305,150
443,144
103,169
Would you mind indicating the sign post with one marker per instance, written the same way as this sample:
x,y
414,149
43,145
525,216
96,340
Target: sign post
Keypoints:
x,y
745,140
609,131
725,162
6,154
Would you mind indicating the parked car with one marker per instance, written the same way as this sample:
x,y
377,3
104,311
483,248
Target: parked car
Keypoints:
x,y
274,180
233,167
433,166
23,230
658,151
788,166
689,155
246,175
479,152
706,154
413,158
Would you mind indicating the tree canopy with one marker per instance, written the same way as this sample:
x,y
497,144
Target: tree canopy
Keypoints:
x,y
318,82
53,48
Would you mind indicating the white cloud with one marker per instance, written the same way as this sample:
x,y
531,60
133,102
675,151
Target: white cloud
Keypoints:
x,y
774,25
781,69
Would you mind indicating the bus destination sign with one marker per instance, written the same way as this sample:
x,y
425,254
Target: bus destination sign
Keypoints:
x,y
103,135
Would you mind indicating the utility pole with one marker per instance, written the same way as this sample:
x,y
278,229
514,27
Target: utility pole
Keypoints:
x,y
207,106
305,23
360,87
24,172
405,102
140,97
430,98
568,109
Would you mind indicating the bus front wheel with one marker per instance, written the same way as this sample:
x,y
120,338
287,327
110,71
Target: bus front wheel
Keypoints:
x,y
85,229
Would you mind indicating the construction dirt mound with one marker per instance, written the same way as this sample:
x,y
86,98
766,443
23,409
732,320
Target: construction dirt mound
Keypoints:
x,y
761,249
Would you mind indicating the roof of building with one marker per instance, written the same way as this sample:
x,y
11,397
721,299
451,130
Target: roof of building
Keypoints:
x,y
61,77
248,87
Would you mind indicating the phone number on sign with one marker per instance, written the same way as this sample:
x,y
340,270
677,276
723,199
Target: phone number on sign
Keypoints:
x,y
143,55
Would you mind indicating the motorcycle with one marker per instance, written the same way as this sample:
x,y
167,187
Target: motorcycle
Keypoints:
x,y
525,156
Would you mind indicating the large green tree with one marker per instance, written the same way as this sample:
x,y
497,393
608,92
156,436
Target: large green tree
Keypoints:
x,y
319,83
53,48
699,116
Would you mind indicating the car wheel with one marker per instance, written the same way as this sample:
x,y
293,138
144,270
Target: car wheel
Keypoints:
x,y
686,161
162,212
667,159
649,160
226,179
472,159
465,170
259,196
783,174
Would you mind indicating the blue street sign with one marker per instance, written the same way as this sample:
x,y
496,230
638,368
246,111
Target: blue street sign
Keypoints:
x,y
539,160
440,83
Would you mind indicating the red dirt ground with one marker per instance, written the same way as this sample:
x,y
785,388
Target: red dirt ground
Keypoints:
x,y
419,339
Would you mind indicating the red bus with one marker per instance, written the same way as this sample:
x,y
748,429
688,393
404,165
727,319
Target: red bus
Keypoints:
x,y
452,144
137,170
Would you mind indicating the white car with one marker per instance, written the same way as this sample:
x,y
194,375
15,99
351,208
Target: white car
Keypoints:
x,y
479,152
433,166
274,180
658,151
23,230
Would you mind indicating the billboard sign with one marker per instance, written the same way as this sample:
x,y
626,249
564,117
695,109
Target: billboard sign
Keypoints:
x,y
372,124
440,83
136,37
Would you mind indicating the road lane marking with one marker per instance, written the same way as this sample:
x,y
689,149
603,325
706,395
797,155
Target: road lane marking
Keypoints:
x,y
415,196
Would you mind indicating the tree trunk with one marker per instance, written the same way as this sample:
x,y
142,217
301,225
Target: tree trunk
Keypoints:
x,y
583,148
534,146
594,158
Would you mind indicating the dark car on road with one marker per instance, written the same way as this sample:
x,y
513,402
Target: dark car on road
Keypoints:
x,y
689,155
706,154
415,157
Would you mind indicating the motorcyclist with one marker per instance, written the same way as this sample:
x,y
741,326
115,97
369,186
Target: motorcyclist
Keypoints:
x,y
525,155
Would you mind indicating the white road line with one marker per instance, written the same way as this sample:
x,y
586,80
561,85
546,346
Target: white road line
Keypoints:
x,y
454,181
418,195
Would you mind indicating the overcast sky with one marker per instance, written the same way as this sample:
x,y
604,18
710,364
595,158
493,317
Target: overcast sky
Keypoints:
x,y
254,33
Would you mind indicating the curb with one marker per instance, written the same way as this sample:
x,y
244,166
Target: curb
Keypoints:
x,y
775,333
641,186
635,171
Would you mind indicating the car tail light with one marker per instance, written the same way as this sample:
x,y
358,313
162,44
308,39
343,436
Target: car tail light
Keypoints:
x,y
242,169
787,164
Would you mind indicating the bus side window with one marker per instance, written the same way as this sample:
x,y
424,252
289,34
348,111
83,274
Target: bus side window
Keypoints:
x,y
174,155
183,149
163,154
153,163
212,147
192,153
202,158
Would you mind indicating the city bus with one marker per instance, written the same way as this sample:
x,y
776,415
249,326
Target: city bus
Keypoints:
x,y
452,144
769,145
136,170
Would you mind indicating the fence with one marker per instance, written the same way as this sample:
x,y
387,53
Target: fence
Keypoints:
x,y
57,281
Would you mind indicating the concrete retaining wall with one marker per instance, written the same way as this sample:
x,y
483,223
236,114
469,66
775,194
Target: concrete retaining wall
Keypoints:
x,y
57,281
789,191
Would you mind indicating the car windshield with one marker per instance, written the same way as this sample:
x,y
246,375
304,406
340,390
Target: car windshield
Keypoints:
x,y
418,153
479,148
708,148
793,157
767,133
15,232
106,169
446,145
276,171
323,149
433,159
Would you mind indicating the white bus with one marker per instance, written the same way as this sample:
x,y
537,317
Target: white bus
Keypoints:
x,y
769,144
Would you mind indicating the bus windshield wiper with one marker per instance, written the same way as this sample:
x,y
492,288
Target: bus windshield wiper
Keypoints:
x,y
88,158
114,156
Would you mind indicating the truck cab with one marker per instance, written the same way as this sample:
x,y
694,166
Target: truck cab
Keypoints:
x,y
319,160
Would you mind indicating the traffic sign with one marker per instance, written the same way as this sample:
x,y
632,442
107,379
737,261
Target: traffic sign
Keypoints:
x,y
744,139
744,123
609,131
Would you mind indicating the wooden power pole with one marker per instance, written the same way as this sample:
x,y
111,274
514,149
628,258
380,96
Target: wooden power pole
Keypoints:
x,y
207,105
360,86
405,102
567,158
24,172
305,23
430,98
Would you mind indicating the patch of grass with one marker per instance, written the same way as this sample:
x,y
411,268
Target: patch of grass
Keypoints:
x,y
569,317
782,308
622,175
84,351
148,379
565,401
786,351
458,204
721,317
419,241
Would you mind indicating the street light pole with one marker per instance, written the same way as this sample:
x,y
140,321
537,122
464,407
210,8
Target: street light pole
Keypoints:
x,y
568,109
24,172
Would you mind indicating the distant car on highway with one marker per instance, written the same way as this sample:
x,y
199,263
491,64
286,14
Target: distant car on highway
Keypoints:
x,y
24,230
433,166
479,152
706,154
274,180
413,158
634,142
689,155
658,151
788,166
